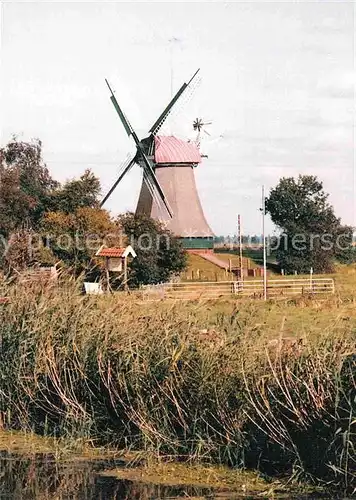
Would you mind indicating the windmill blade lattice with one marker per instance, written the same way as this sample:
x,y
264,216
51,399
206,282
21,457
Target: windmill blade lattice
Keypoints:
x,y
124,168
151,176
158,201
179,101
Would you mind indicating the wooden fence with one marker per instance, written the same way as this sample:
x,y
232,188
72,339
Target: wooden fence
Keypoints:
x,y
246,288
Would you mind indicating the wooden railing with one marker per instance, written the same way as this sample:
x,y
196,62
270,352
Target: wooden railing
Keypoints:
x,y
246,288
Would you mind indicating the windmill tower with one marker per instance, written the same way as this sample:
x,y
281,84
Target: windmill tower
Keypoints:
x,y
168,192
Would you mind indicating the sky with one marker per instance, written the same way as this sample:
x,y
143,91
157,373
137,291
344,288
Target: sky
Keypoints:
x,y
278,84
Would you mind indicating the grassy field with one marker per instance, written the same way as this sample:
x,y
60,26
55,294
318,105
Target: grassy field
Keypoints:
x,y
267,386
200,269
235,259
294,316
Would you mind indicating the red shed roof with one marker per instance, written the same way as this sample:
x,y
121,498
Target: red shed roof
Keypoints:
x,y
115,252
169,149
111,252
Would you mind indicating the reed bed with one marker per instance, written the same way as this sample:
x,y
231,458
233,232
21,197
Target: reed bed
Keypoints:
x,y
195,381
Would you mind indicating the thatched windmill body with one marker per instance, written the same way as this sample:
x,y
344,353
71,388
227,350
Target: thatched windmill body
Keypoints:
x,y
168,190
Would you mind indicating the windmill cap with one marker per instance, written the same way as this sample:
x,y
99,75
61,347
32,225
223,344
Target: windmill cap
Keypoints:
x,y
170,149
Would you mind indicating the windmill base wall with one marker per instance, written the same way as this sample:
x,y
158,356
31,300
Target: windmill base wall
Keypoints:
x,y
188,221
201,244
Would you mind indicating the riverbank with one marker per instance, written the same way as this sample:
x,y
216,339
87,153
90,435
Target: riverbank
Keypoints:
x,y
258,386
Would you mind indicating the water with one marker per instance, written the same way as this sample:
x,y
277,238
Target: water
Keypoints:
x,y
42,477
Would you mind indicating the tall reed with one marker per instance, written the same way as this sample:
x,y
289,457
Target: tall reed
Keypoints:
x,y
180,380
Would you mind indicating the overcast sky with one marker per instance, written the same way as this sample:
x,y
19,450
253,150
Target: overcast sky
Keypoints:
x,y
277,82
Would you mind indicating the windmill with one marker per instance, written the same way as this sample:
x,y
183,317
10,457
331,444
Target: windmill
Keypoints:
x,y
168,192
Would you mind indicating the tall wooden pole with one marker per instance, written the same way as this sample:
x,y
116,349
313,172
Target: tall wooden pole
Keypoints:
x,y
264,245
240,246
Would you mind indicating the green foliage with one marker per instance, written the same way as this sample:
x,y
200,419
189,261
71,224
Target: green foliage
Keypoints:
x,y
159,253
25,186
77,193
27,190
75,238
32,204
312,236
346,251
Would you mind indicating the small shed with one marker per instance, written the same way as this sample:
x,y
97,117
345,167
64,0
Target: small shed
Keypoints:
x,y
115,257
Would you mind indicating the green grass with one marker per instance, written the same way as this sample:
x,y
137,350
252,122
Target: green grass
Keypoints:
x,y
200,269
344,278
235,260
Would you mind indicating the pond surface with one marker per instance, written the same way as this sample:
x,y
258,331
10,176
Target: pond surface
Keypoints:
x,y
41,476
33,467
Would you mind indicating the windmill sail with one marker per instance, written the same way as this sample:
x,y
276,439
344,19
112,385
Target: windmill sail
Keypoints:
x,y
188,89
124,169
151,176
124,120
161,208
146,165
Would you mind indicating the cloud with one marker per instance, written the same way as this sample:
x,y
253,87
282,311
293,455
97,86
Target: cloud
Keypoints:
x,y
339,86
57,95
316,120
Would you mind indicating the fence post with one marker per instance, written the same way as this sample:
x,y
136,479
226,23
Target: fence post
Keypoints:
x,y
236,287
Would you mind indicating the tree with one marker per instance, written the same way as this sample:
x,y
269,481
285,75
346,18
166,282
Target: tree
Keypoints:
x,y
77,193
311,235
75,238
346,250
35,208
27,190
159,253
25,186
